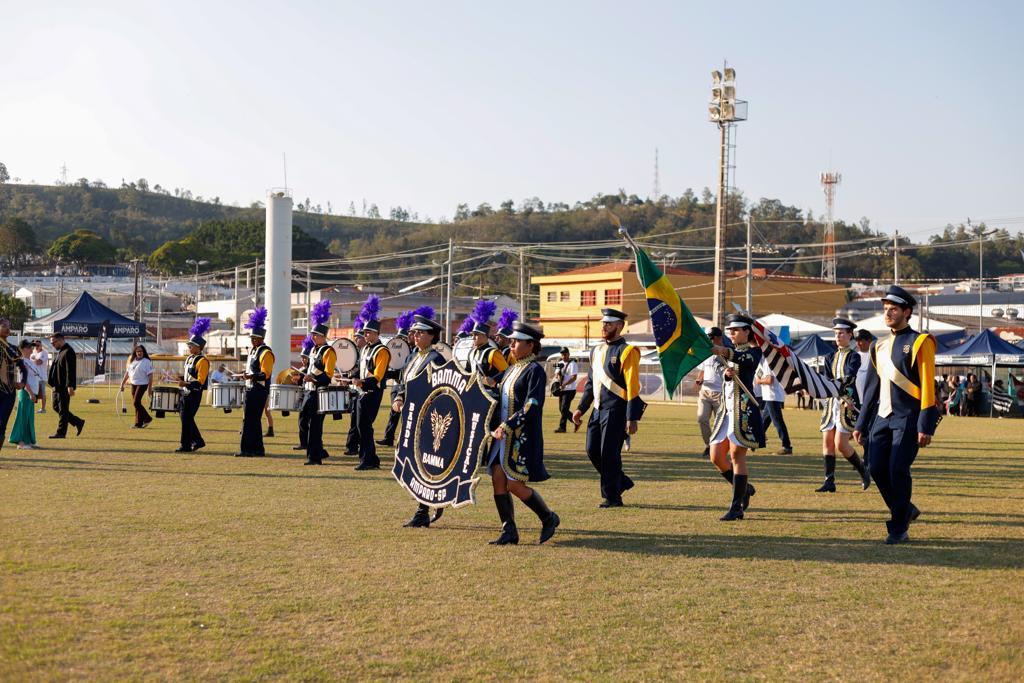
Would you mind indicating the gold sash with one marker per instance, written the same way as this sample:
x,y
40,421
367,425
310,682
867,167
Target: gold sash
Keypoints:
x,y
597,369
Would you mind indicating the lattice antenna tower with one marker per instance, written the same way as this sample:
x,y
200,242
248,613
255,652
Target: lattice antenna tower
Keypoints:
x,y
829,182
656,190
64,173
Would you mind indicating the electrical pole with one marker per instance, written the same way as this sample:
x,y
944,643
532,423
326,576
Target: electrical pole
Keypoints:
x,y
159,311
238,313
981,275
522,285
896,258
750,274
309,290
256,285
448,293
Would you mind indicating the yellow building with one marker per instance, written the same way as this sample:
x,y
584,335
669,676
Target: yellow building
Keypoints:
x,y
571,302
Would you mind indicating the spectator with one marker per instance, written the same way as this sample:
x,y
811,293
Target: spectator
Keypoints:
x,y
23,432
220,375
140,373
41,359
953,389
972,395
774,397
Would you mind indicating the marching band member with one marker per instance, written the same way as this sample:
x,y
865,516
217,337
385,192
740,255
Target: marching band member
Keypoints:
x,y
839,415
517,450
402,323
485,358
899,409
259,368
373,366
737,425
503,335
321,370
306,349
197,371
613,388
425,332
352,438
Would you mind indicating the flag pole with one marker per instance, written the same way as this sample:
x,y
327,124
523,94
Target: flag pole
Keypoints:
x,y
623,233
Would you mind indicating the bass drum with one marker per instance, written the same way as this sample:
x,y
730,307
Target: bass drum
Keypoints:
x,y
348,355
444,349
400,353
463,349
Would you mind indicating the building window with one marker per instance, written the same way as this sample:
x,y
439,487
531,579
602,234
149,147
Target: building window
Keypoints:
x,y
588,297
563,296
613,297
552,296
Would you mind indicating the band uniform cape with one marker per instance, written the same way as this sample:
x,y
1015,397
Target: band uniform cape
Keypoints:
x,y
901,383
746,415
842,365
519,412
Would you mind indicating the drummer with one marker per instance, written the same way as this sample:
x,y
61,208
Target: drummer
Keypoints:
x,y
352,439
373,366
395,375
197,371
322,360
485,358
259,368
307,347
424,333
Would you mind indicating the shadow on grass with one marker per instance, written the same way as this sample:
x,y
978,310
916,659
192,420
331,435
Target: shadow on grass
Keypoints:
x,y
45,464
993,553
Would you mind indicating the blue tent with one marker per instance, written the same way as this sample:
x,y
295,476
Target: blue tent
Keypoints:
x,y
985,348
813,347
83,317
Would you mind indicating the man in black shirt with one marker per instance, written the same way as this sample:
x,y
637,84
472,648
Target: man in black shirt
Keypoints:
x,y
63,378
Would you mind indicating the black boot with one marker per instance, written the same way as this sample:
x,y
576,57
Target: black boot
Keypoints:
x,y
830,476
548,519
739,492
421,518
862,470
507,514
727,475
437,515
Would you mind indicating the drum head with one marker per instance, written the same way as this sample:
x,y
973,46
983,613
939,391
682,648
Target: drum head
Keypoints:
x,y
462,349
400,352
348,354
444,349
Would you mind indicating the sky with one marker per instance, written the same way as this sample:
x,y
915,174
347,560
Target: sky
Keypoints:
x,y
426,105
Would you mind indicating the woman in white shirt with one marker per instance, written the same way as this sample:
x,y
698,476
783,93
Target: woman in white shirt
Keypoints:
x,y
140,374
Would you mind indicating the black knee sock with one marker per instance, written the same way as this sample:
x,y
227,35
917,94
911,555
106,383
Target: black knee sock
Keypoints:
x,y
727,475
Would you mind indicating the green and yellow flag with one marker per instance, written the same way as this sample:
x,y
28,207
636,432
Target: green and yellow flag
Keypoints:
x,y
682,344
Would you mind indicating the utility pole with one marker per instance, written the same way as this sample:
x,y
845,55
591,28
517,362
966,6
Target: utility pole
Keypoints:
x,y
448,293
309,290
159,311
750,275
238,313
522,285
981,275
896,258
136,303
256,286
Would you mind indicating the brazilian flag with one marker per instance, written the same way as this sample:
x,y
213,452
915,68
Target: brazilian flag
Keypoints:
x,y
682,344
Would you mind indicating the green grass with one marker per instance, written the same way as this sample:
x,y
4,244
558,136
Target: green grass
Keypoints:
x,y
121,560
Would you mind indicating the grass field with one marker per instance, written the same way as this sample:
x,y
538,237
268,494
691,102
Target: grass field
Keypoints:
x,y
121,560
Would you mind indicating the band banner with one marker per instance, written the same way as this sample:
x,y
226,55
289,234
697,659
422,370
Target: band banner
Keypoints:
x,y
101,350
445,424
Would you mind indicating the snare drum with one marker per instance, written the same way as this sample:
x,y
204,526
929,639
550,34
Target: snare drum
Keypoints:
x,y
228,395
286,398
334,400
165,400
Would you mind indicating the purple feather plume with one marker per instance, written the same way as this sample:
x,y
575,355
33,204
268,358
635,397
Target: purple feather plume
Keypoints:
x,y
358,323
321,312
307,344
425,311
483,311
257,319
371,309
507,317
404,320
200,327
467,325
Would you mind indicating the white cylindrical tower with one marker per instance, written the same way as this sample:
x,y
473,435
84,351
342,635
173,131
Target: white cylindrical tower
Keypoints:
x,y
279,277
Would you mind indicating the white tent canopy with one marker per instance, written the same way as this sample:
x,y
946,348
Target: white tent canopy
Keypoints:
x,y
797,327
876,325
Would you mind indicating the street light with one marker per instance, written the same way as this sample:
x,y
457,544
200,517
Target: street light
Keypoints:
x,y
193,262
724,110
982,234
